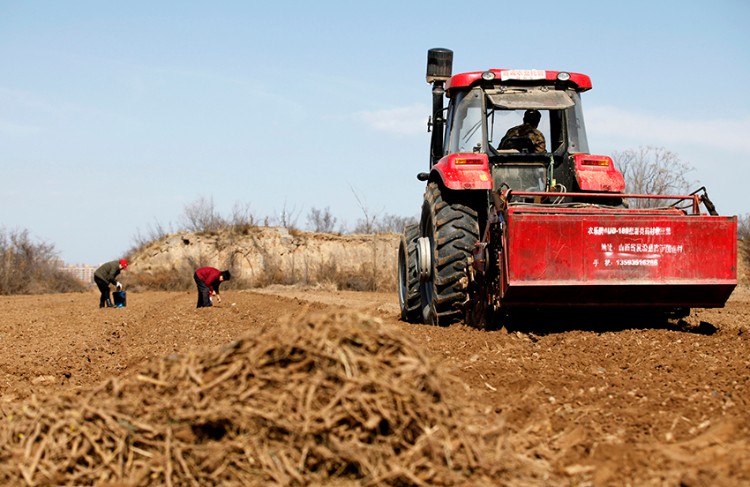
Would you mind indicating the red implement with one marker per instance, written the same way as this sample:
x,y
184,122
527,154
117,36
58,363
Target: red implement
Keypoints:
x,y
558,256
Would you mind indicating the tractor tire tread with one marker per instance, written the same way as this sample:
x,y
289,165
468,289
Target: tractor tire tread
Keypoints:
x,y
456,231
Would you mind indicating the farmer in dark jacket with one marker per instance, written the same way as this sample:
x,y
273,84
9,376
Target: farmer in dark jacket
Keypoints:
x,y
105,275
208,280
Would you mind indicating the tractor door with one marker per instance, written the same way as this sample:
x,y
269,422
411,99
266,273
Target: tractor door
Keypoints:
x,y
467,125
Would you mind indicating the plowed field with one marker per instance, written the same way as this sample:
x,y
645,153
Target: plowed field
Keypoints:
x,y
636,403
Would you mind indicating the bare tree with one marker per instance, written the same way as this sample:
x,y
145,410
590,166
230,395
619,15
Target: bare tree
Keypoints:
x,y
153,233
201,216
242,218
743,227
394,223
653,170
288,217
321,220
366,224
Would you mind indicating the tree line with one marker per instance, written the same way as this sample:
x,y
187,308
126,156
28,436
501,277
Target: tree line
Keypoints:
x,y
29,267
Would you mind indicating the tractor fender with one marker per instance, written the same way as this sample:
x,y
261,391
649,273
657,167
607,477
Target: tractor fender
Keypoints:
x,y
597,173
463,171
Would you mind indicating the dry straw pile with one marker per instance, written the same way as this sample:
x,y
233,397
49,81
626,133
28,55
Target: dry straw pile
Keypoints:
x,y
334,399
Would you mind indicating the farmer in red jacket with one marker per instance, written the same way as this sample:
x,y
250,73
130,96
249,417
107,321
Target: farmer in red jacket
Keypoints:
x,y
208,280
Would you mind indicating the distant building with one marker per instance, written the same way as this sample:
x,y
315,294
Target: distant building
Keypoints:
x,y
84,272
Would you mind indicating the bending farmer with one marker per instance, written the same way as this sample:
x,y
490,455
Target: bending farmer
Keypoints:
x,y
208,280
105,275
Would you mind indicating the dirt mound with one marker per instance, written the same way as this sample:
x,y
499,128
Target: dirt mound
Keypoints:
x,y
329,396
271,255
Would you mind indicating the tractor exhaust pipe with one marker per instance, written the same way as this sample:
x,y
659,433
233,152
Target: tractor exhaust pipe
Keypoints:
x,y
439,70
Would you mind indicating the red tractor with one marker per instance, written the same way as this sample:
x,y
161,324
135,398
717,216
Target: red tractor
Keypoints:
x,y
526,218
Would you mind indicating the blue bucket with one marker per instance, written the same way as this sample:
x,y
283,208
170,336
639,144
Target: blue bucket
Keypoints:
x,y
120,298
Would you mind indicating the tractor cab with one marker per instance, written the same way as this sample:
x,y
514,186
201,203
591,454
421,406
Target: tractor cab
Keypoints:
x,y
484,106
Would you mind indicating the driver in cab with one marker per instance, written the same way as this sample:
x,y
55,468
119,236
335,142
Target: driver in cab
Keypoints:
x,y
525,132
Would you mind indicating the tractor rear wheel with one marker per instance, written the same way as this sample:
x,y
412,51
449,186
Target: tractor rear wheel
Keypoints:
x,y
453,230
408,276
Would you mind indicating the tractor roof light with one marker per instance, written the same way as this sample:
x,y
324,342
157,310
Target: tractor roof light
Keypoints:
x,y
563,76
488,75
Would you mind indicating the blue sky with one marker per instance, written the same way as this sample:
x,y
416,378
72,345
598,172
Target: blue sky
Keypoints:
x,y
116,115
